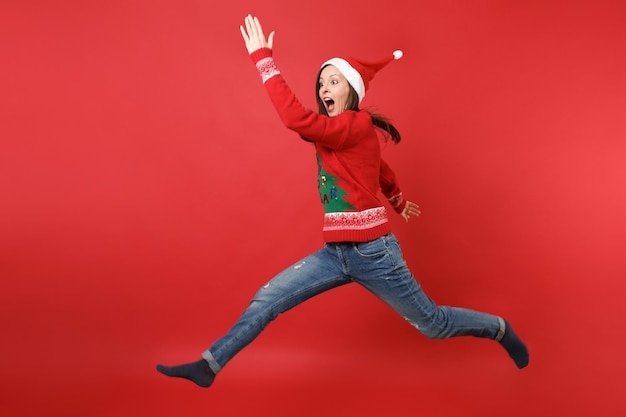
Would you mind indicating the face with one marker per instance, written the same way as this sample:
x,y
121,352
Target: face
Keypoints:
x,y
334,90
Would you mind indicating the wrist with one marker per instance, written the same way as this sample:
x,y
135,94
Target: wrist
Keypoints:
x,y
400,208
397,202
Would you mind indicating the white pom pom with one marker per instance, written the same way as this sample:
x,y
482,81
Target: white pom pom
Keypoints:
x,y
397,54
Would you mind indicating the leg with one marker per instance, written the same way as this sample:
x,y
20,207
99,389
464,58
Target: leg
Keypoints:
x,y
384,272
313,275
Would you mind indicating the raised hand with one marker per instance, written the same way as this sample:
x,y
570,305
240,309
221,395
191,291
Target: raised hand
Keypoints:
x,y
253,35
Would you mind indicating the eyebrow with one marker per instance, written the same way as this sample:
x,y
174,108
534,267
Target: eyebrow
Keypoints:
x,y
330,76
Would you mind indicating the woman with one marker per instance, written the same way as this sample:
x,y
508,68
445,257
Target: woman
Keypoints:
x,y
359,246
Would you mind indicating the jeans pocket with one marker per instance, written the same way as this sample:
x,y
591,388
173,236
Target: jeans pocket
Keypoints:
x,y
372,249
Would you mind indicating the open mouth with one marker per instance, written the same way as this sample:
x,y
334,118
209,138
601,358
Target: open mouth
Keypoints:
x,y
330,104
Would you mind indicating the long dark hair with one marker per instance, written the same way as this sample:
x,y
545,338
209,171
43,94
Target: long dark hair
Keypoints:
x,y
353,104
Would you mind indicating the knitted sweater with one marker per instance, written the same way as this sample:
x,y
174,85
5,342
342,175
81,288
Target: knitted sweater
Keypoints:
x,y
351,172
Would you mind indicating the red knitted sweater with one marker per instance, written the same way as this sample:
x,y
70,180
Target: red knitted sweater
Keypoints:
x,y
351,172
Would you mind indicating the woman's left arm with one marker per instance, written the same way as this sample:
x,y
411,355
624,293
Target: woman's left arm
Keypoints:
x,y
391,190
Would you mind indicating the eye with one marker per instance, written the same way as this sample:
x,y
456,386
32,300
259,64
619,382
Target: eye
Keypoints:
x,y
334,82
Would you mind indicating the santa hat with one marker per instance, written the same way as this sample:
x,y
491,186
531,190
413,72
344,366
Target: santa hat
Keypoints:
x,y
359,73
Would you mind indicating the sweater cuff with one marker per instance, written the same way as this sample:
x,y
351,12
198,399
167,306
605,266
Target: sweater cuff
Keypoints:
x,y
264,62
397,202
261,53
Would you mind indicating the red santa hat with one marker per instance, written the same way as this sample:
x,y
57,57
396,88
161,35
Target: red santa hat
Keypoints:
x,y
359,73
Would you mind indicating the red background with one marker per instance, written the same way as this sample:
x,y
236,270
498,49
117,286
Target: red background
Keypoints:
x,y
148,189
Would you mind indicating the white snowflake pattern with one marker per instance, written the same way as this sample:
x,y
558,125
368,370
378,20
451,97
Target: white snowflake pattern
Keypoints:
x,y
355,220
267,68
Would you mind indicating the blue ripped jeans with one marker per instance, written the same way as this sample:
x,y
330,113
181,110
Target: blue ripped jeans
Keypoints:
x,y
378,266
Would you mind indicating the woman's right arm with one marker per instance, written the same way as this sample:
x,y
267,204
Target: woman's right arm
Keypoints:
x,y
327,131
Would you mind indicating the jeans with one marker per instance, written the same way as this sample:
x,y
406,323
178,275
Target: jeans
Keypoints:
x,y
377,265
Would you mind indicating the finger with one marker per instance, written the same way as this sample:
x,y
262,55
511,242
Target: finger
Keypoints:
x,y
244,34
253,37
270,41
414,208
259,28
249,26
254,27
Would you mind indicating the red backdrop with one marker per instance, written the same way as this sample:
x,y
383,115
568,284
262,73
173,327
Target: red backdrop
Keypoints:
x,y
148,189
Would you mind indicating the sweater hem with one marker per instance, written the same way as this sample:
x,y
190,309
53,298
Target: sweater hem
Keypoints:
x,y
363,235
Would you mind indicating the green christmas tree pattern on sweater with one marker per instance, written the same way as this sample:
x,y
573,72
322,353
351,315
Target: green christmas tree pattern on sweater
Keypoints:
x,y
331,195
